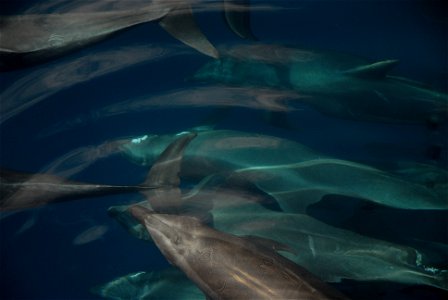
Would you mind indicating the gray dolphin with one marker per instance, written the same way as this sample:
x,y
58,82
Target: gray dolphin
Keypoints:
x,y
37,37
20,190
286,170
225,266
33,38
169,284
331,253
337,84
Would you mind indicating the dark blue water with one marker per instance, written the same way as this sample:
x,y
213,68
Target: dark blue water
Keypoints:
x,y
38,257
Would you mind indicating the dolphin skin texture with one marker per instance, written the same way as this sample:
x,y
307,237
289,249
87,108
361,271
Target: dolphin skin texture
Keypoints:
x,y
224,266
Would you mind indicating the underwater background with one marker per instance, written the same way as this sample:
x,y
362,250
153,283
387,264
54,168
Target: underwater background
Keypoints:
x,y
90,96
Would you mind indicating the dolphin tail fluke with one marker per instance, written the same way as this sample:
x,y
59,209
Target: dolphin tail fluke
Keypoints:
x,y
237,15
165,174
180,23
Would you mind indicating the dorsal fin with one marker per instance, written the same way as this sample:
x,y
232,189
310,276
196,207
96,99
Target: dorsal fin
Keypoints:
x,y
237,15
180,23
376,70
269,244
165,173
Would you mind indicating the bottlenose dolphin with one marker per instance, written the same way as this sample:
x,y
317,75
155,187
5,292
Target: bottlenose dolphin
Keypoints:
x,y
36,37
32,38
225,266
21,190
291,173
337,84
41,83
331,253
170,284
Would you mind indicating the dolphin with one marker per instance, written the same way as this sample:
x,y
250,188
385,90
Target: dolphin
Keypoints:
x,y
225,266
286,170
331,253
337,84
36,37
32,38
41,83
20,190
167,284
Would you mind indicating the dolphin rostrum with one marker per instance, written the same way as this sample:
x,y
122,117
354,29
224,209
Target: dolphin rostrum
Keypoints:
x,y
21,190
225,266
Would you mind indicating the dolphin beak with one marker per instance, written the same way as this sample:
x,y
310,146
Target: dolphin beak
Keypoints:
x,y
140,212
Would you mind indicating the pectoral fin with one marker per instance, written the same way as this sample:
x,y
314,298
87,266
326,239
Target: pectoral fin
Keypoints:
x,y
180,23
376,70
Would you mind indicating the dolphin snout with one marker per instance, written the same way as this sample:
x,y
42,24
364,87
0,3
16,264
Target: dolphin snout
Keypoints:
x,y
140,212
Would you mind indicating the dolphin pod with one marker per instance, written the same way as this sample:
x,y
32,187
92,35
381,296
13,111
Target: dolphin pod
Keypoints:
x,y
222,265
37,37
337,84
293,174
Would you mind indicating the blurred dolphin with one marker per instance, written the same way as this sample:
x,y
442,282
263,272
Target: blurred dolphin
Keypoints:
x,y
36,37
293,174
165,284
20,190
338,84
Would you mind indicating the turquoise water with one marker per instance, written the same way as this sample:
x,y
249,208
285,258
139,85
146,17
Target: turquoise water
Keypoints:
x,y
286,99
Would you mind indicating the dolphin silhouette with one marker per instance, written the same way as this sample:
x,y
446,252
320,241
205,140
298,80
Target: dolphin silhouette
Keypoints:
x,y
293,174
21,190
225,266
165,284
34,38
337,84
333,254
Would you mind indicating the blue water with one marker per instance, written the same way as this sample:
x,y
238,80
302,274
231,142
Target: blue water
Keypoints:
x,y
38,259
